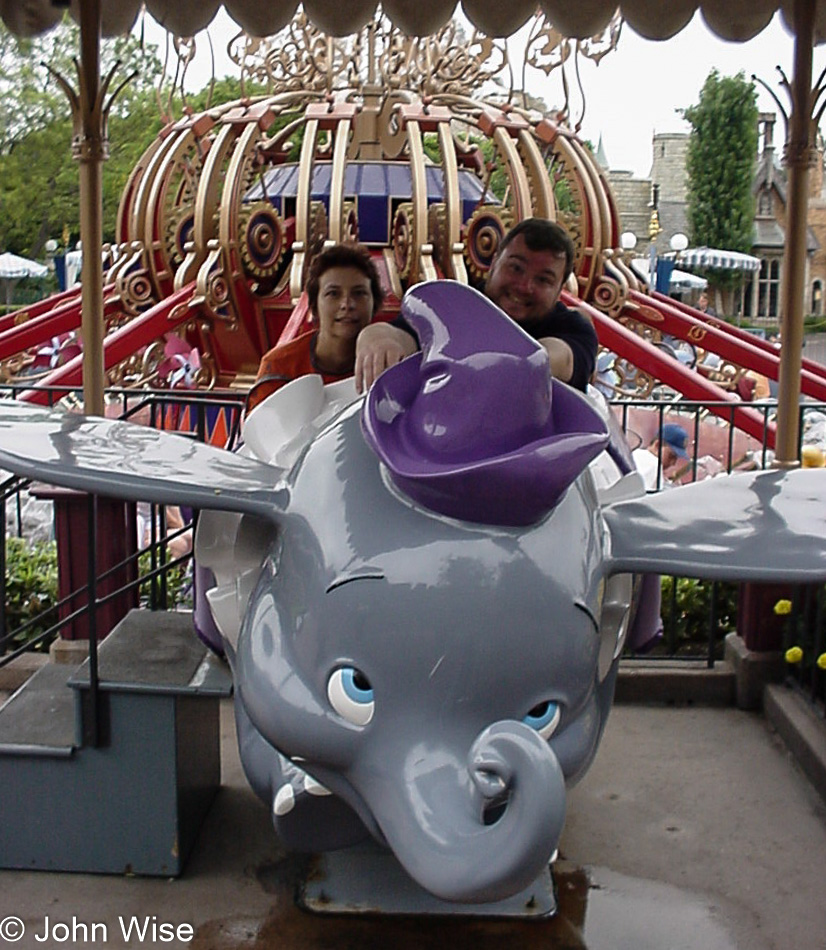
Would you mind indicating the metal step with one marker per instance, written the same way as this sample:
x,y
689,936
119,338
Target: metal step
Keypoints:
x,y
133,800
39,718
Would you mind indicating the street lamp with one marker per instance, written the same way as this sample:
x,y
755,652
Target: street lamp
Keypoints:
x,y
678,242
628,241
50,248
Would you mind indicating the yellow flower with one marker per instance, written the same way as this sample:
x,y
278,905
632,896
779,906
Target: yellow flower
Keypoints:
x,y
794,655
821,661
783,607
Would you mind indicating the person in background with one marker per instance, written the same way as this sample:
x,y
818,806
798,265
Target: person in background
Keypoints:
x,y
662,456
703,306
531,266
344,293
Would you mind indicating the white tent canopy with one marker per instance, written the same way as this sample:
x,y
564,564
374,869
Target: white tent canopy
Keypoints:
x,y
13,267
702,258
735,20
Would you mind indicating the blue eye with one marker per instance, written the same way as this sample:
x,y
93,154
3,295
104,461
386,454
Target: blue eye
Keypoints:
x,y
351,695
544,717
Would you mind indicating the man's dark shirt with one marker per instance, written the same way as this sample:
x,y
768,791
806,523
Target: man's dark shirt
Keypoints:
x,y
564,324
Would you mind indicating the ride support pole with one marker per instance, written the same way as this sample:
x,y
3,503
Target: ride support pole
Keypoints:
x,y
799,156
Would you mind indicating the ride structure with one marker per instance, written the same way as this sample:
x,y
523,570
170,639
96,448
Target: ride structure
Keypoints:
x,y
391,141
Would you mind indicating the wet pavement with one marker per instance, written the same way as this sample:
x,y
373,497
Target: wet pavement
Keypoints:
x,y
693,830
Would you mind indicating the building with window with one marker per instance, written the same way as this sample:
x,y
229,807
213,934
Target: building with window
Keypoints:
x,y
666,190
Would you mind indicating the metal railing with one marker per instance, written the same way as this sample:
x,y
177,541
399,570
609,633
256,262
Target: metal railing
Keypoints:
x,y
688,603
150,567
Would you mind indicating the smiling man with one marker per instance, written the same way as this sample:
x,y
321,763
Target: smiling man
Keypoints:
x,y
531,266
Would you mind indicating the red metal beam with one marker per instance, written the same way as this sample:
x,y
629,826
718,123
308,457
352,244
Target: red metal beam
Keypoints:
x,y
629,346
737,332
17,317
121,344
669,319
38,329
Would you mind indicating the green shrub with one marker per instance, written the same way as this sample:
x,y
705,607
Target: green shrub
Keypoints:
x,y
178,585
31,587
686,619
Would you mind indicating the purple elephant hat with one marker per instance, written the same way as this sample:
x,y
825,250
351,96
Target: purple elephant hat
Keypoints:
x,y
473,426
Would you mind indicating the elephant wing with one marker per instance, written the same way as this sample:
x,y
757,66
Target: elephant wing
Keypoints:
x,y
756,526
134,462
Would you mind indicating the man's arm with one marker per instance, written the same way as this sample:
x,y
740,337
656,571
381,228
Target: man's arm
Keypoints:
x,y
561,357
378,347
573,347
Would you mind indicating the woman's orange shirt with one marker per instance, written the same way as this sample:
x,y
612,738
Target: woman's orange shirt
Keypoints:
x,y
282,364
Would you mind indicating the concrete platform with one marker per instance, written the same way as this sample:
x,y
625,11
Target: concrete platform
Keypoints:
x,y
693,830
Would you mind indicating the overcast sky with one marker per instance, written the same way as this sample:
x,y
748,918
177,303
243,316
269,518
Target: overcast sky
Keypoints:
x,y
632,93
636,90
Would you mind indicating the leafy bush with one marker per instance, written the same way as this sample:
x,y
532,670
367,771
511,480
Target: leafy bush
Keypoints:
x,y
178,585
687,624
31,587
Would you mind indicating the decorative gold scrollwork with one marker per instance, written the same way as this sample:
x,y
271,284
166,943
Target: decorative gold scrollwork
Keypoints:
x,y
483,233
404,240
609,296
136,291
318,228
179,227
214,288
437,235
349,222
263,239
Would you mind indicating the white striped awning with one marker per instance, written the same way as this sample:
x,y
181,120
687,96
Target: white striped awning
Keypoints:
x,y
703,258
679,279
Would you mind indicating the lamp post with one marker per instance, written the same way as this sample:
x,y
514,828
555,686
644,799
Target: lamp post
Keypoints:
x,y
50,248
654,229
628,241
678,242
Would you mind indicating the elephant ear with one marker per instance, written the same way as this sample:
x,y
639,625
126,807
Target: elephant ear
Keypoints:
x,y
755,526
135,462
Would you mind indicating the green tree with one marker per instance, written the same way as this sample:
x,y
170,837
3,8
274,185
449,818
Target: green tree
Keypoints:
x,y
722,152
38,178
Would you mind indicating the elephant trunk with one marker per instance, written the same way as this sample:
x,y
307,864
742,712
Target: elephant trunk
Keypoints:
x,y
481,830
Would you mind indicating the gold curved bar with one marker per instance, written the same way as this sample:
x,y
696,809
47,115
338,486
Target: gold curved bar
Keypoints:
x,y
232,196
419,194
212,178
141,202
453,209
343,128
302,207
602,206
124,228
520,192
544,204
590,217
155,206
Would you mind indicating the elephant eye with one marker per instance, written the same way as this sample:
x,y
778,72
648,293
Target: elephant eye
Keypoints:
x,y
351,695
544,717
